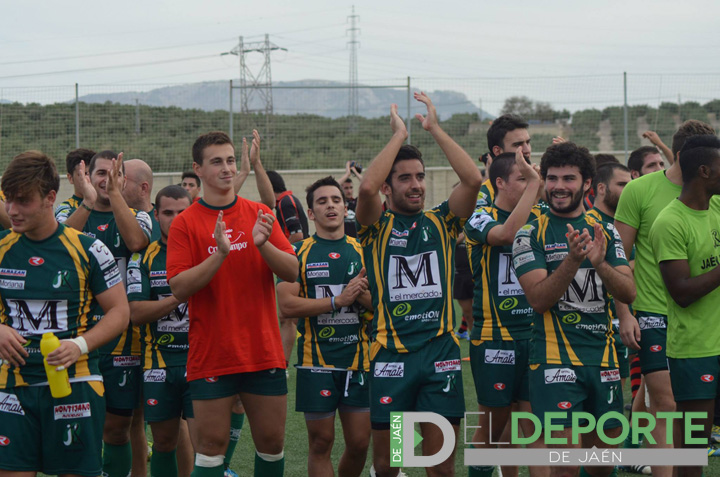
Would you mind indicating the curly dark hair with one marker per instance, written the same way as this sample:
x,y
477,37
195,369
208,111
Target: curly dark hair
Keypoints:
x,y
568,154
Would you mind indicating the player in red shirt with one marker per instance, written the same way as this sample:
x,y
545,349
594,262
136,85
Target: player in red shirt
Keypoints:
x,y
222,254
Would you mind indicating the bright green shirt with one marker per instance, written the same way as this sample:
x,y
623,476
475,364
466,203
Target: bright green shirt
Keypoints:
x,y
640,203
577,330
682,233
500,309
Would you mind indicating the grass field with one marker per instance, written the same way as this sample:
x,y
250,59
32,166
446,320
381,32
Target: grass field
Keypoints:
x,y
296,443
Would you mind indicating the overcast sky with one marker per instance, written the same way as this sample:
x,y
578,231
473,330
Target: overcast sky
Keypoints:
x,y
180,41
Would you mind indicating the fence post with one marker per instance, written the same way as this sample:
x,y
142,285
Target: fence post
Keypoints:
x,y
230,121
625,113
77,118
409,118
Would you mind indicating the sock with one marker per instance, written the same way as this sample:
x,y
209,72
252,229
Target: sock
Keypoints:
x,y
463,326
208,466
117,460
480,470
264,468
163,464
236,424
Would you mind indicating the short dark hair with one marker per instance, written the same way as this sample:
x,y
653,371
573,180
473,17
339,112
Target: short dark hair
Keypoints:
x,y
348,180
75,156
691,127
173,192
107,154
325,181
191,175
605,172
213,138
698,151
30,172
500,127
277,182
568,154
406,152
501,167
601,159
637,157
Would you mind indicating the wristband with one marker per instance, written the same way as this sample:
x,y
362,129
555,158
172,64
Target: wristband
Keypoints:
x,y
84,206
332,303
80,343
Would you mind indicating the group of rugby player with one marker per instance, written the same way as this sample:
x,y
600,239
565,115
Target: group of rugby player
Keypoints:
x,y
193,343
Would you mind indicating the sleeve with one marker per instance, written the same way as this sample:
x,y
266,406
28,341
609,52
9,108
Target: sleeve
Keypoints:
x,y
63,211
179,256
104,272
628,209
615,253
143,219
296,248
479,225
484,197
277,237
368,233
668,239
138,278
453,224
289,216
528,253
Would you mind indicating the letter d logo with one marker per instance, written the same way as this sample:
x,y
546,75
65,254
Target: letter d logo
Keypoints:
x,y
410,439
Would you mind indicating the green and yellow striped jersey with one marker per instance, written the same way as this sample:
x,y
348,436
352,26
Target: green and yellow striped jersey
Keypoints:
x,y
165,341
486,195
410,267
66,208
50,286
332,340
500,309
577,330
102,225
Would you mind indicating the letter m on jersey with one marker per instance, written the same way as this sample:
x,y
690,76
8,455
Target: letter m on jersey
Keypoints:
x,y
31,317
414,277
584,294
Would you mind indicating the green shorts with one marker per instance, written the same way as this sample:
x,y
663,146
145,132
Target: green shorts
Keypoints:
x,y
429,379
623,353
694,378
500,371
323,390
166,394
122,377
268,382
567,388
54,436
653,338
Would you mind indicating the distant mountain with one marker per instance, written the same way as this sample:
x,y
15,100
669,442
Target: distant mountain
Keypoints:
x,y
330,101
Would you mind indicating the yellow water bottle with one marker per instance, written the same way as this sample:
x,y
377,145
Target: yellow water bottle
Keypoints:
x,y
58,380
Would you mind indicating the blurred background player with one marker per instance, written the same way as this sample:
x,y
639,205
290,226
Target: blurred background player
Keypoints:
x,y
72,163
138,189
352,168
192,183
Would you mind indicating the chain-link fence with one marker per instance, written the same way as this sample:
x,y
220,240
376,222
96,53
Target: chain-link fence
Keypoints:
x,y
310,128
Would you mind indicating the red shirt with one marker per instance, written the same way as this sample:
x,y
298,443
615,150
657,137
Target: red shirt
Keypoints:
x,y
233,320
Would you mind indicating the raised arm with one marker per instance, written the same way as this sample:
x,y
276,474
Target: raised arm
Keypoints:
x,y
130,231
267,196
504,234
79,217
244,171
653,137
347,173
462,198
369,204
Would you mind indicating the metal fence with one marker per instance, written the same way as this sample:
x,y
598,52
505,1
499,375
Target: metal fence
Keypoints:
x,y
310,128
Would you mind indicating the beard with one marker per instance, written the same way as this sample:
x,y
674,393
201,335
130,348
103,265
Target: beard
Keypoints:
x,y
403,206
611,201
575,201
